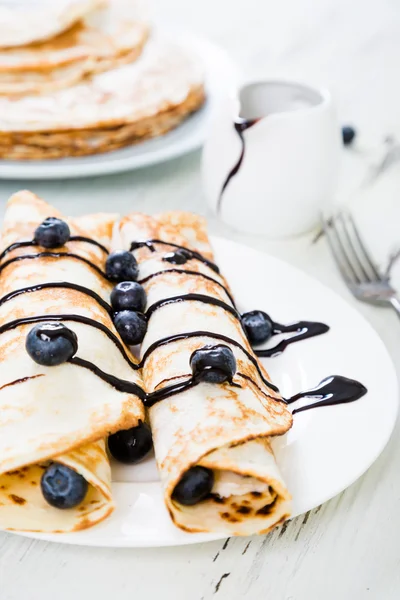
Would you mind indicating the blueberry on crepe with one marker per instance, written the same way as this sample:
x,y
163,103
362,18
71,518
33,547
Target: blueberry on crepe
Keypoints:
x,y
131,326
51,344
52,233
128,295
213,364
194,486
63,487
121,265
258,326
131,445
179,257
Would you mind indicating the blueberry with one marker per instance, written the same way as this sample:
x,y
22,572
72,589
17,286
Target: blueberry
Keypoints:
x,y
128,295
52,233
258,326
348,135
63,487
131,445
179,257
121,265
51,344
131,326
214,364
194,486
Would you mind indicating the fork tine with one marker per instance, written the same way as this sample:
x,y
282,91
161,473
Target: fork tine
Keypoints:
x,y
343,251
328,226
364,249
351,247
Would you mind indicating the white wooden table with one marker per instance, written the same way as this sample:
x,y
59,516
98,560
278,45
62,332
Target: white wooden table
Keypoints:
x,y
349,548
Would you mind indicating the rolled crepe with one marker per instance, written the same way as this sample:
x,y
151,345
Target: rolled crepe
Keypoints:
x,y
221,427
60,413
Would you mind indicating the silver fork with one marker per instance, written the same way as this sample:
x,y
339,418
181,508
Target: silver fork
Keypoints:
x,y
355,264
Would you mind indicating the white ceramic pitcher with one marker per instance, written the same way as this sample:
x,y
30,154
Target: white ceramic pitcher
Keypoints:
x,y
270,163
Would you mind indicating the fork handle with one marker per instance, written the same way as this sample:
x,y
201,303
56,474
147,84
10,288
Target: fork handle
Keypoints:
x,y
395,302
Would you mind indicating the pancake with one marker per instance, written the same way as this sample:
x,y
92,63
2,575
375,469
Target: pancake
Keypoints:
x,y
108,37
45,146
60,413
119,107
26,21
225,428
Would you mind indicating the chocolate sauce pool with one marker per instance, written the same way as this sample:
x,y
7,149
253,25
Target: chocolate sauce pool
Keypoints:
x,y
329,392
302,331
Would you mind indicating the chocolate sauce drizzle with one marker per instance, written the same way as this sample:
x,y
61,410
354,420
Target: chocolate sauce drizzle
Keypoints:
x,y
58,284
216,336
121,385
75,318
240,126
331,391
21,380
191,273
52,255
192,298
192,254
302,330
73,238
169,390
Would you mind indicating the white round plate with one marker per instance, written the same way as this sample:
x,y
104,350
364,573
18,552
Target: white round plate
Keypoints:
x,y
327,449
220,77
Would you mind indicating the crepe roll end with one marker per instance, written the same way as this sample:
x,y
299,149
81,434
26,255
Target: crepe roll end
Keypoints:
x,y
242,497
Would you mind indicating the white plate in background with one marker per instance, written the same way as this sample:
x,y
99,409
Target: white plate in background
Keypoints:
x,y
220,77
327,449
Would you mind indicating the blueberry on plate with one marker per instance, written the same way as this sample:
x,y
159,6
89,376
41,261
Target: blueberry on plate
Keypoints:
x,y
51,344
121,265
128,295
179,257
131,326
131,445
348,135
52,233
194,486
213,364
258,326
63,487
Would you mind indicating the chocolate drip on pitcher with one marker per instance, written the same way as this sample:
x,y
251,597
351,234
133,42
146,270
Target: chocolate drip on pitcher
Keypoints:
x,y
240,126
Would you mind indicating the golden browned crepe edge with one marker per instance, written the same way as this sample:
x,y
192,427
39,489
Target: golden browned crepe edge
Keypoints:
x,y
82,142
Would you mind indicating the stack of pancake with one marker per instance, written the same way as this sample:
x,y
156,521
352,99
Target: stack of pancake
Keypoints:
x,y
81,77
